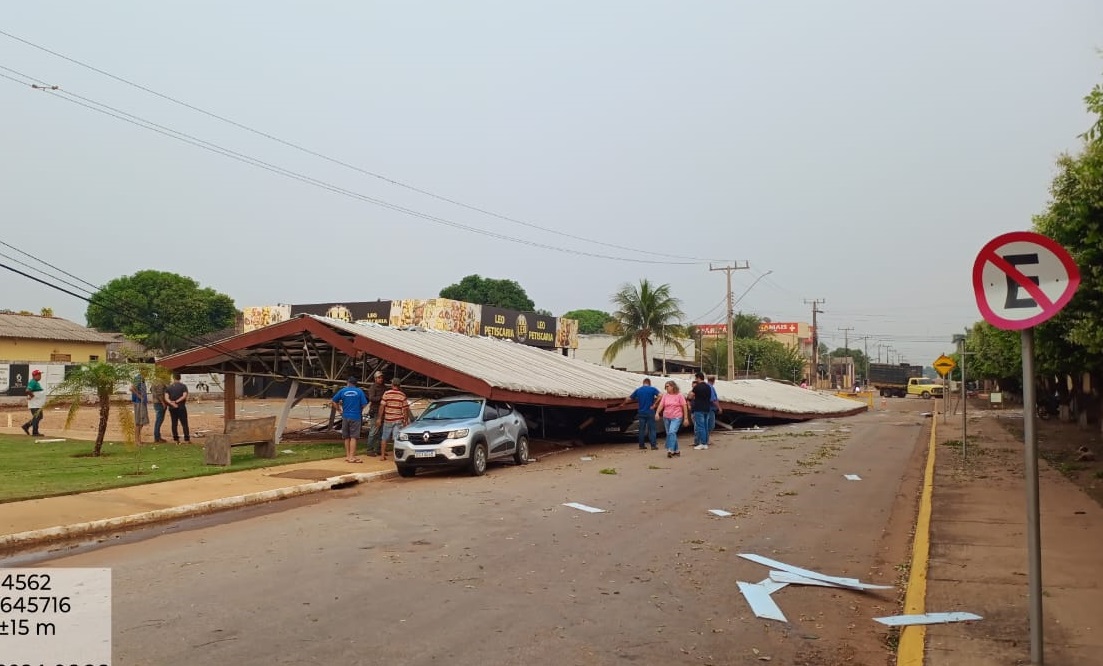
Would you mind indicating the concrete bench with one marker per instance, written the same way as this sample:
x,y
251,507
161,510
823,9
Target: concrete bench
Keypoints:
x,y
261,433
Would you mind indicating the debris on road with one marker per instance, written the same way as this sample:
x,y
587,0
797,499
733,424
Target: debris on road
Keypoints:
x,y
851,583
771,585
586,459
609,470
926,618
720,512
852,477
758,598
583,507
47,441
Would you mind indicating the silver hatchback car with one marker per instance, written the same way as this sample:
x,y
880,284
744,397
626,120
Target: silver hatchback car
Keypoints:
x,y
462,431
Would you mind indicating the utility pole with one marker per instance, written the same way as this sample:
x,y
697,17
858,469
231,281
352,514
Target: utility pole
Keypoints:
x,y
815,303
729,269
846,341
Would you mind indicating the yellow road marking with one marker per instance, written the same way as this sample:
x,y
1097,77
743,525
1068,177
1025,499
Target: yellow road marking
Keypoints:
x,y
912,639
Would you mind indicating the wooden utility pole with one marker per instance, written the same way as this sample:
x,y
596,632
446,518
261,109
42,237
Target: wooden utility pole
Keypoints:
x,y
815,303
734,266
846,342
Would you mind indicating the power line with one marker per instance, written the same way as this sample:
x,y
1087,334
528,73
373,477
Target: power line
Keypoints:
x,y
361,170
183,137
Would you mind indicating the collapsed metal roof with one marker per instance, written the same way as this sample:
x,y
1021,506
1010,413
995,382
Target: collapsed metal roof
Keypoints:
x,y
313,348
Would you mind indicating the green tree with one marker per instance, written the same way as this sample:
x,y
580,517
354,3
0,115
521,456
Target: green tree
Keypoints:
x,y
163,311
858,355
489,291
746,326
759,357
102,380
646,313
994,354
590,321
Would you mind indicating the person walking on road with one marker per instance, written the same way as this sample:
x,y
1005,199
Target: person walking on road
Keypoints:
x,y
139,398
714,409
352,401
176,398
673,409
646,396
702,405
157,397
394,413
375,399
36,400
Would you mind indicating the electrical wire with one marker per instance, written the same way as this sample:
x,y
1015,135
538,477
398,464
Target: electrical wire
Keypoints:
x,y
252,161
308,151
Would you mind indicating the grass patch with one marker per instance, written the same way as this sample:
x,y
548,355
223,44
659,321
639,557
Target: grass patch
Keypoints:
x,y
31,471
608,470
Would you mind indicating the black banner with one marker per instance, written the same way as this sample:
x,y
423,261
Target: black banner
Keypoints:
x,y
523,327
18,376
376,312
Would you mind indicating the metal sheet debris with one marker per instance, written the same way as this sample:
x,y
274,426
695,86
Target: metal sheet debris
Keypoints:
x,y
794,579
771,585
758,598
583,507
47,441
586,459
852,583
720,512
852,477
926,618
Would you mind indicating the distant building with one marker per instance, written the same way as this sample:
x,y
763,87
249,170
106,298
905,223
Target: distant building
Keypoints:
x,y
591,348
31,338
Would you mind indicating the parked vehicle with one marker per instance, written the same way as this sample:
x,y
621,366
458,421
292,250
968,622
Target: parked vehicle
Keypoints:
x,y
462,431
925,388
892,380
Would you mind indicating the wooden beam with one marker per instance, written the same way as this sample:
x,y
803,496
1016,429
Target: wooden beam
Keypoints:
x,y
229,397
288,403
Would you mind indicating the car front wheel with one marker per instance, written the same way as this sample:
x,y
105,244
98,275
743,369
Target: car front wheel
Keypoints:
x,y
926,395
406,471
521,455
477,465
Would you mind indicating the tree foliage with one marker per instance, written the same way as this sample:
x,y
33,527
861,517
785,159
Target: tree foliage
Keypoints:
x,y
163,311
590,321
995,354
646,313
756,357
489,291
746,326
102,380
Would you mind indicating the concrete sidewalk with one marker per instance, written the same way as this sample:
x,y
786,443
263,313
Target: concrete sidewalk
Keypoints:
x,y
28,523
978,554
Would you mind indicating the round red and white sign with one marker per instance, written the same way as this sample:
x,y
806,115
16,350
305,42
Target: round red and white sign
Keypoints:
x,y
1021,279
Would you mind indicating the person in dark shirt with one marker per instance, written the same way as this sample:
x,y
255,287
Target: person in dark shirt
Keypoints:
x,y
176,397
375,397
701,406
645,396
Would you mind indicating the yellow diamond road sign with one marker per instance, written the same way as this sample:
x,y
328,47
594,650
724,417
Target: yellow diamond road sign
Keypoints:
x,y
944,364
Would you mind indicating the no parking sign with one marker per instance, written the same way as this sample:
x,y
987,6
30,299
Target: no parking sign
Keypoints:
x,y
1022,278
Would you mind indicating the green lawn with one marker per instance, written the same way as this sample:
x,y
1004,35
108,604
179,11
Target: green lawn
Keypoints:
x,y
29,470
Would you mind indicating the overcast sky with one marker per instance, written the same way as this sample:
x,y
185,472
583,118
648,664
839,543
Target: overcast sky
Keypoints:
x,y
862,151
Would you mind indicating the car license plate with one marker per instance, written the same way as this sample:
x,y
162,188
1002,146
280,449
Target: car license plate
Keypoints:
x,y
425,454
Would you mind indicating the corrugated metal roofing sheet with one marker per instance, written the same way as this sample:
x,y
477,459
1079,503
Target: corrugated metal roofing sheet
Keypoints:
x,y
34,327
516,367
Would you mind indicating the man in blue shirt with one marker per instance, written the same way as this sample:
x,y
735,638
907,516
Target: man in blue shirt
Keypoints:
x,y
645,396
352,401
714,409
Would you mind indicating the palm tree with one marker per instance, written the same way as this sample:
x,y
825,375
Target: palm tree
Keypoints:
x,y
645,314
102,379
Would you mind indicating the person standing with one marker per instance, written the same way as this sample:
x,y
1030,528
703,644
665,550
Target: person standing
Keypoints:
x,y
714,408
394,413
157,397
352,402
645,396
139,398
673,409
36,400
176,398
375,398
701,406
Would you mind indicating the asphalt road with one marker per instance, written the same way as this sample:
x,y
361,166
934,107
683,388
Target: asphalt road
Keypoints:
x,y
448,569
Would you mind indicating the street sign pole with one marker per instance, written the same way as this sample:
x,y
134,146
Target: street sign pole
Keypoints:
x,y
1033,513
1020,280
964,399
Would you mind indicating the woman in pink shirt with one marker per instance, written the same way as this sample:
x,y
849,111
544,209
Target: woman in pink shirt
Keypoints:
x,y
673,408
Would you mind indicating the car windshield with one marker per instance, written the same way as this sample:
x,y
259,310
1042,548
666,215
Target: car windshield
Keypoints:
x,y
452,409
924,380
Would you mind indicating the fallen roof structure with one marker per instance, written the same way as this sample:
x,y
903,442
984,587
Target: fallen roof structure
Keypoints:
x,y
318,350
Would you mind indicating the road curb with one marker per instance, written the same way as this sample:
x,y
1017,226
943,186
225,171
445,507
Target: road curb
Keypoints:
x,y
21,540
910,651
